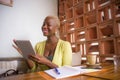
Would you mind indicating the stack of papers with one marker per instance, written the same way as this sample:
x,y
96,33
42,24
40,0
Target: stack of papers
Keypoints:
x,y
67,71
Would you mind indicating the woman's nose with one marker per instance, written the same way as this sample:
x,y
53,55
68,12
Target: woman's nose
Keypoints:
x,y
44,26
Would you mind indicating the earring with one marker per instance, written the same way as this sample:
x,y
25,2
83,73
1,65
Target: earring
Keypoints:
x,y
57,34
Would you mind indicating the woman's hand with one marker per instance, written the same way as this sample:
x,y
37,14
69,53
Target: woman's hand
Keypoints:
x,y
17,49
15,46
42,60
39,59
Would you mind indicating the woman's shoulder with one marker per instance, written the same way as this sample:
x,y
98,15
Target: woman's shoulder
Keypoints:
x,y
63,42
41,42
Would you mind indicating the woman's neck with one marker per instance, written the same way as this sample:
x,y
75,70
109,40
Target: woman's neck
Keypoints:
x,y
52,39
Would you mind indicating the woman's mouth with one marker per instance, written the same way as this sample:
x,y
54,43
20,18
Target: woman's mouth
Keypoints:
x,y
45,31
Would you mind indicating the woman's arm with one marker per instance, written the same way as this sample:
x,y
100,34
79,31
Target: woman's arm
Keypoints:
x,y
42,60
67,54
29,62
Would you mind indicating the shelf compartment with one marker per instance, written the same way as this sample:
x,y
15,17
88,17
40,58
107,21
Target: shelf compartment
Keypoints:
x,y
93,47
69,4
106,30
92,33
117,8
63,37
79,22
81,47
77,2
62,18
61,9
118,45
63,28
117,27
70,25
69,13
78,10
107,47
90,5
81,36
74,47
90,18
71,37
105,13
103,2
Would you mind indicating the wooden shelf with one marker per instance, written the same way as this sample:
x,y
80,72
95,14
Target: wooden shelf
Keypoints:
x,y
77,2
63,28
78,10
74,47
81,47
88,22
92,47
81,36
117,26
118,45
89,5
69,3
70,25
79,22
107,47
91,33
103,2
90,16
69,13
61,9
106,30
105,13
71,37
117,8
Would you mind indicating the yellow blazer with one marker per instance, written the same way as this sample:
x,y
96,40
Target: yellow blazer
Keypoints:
x,y
62,55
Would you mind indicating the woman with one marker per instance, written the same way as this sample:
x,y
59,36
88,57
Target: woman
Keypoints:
x,y
52,52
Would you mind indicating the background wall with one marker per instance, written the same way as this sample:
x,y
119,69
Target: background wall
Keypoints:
x,y
23,21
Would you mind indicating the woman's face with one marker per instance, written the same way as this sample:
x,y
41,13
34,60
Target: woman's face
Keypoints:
x,y
49,26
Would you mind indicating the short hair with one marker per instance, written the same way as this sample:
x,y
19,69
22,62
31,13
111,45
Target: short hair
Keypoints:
x,y
55,18
57,23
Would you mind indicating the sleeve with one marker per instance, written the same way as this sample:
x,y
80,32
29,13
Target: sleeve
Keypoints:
x,y
36,48
67,54
33,69
39,49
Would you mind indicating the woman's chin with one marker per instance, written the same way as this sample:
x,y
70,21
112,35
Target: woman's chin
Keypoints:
x,y
45,34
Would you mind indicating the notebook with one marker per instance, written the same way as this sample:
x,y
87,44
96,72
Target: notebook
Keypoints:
x,y
67,71
25,46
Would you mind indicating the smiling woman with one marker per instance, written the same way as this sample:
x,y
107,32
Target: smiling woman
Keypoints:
x,y
7,2
52,52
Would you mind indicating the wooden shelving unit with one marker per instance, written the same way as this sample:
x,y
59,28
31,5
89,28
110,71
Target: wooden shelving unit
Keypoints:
x,y
118,45
91,26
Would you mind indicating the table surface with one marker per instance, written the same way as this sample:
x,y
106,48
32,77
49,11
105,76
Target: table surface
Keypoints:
x,y
108,72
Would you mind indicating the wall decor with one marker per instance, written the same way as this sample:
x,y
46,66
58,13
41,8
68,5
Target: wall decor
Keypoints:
x,y
7,2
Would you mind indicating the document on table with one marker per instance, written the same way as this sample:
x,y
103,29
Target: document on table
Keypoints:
x,y
67,71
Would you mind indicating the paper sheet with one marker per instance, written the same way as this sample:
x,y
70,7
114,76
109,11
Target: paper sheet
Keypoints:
x,y
67,71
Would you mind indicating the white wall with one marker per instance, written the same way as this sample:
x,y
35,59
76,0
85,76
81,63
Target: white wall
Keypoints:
x,y
23,21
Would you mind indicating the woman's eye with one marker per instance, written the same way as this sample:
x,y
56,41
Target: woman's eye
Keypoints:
x,y
48,24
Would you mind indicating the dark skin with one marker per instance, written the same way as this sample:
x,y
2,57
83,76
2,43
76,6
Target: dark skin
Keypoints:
x,y
49,28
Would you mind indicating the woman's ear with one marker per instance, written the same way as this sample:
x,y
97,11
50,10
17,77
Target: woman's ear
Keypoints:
x,y
57,33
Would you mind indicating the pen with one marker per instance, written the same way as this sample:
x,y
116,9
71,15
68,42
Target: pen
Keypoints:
x,y
57,71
